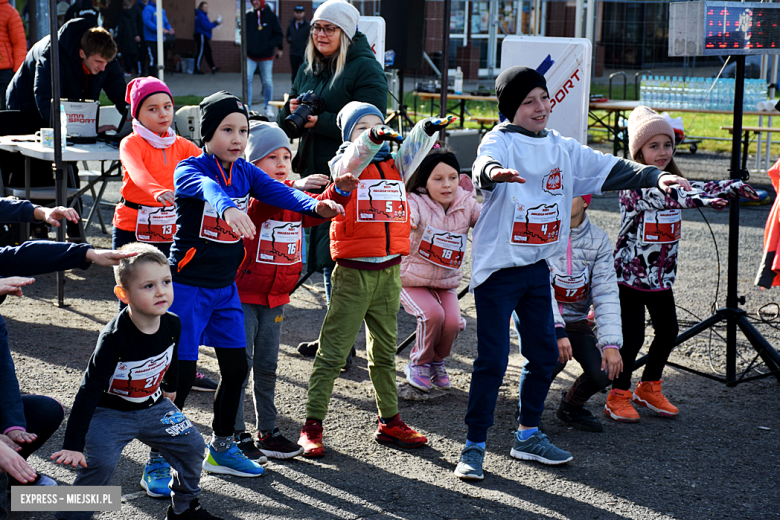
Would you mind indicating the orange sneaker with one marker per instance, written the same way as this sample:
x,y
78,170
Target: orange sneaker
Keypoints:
x,y
398,433
648,394
311,439
619,407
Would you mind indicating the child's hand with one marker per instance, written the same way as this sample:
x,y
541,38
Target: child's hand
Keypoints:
x,y
502,175
20,436
13,464
74,458
240,222
380,133
166,198
346,182
312,182
328,209
8,442
611,362
170,395
739,189
54,215
107,257
564,350
412,223
13,285
719,203
435,125
668,180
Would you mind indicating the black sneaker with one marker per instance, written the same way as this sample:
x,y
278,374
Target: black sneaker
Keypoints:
x,y
578,417
197,71
277,446
247,446
203,383
195,512
309,349
215,70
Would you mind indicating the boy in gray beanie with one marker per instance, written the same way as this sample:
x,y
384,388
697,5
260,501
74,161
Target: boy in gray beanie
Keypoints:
x,y
265,279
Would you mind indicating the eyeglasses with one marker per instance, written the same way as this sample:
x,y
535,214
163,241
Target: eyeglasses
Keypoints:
x,y
329,30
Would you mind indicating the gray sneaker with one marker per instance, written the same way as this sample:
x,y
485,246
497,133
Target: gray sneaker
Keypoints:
x,y
470,463
538,447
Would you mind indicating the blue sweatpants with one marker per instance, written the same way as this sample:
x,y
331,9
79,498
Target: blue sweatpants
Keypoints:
x,y
525,290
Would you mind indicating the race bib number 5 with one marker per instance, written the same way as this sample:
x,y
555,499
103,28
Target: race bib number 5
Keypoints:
x,y
662,226
442,248
155,225
280,243
535,226
212,227
380,200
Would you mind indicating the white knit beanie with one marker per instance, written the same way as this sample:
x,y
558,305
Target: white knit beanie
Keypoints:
x,y
339,13
643,124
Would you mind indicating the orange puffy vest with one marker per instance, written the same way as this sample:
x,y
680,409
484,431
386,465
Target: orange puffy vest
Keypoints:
x,y
352,239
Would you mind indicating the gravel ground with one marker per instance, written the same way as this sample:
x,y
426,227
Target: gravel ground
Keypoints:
x,y
718,459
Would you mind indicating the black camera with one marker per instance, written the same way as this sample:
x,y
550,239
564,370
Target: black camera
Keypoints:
x,y
310,105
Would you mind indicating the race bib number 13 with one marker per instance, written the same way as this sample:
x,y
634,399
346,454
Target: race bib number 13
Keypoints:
x,y
155,225
381,200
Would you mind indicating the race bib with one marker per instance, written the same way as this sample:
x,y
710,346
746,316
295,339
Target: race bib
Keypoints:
x,y
442,248
535,226
570,288
380,200
662,226
213,228
137,381
280,243
155,225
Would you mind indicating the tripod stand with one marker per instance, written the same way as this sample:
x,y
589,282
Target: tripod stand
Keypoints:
x,y
400,113
731,313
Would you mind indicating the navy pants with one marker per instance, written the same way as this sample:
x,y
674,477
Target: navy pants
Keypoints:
x,y
525,290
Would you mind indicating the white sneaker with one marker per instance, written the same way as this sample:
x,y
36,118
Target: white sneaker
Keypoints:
x,y
269,113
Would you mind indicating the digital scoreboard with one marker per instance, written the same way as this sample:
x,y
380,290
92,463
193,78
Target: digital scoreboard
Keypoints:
x,y
712,28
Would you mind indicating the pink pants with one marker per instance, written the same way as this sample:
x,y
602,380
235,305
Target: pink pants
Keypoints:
x,y
438,322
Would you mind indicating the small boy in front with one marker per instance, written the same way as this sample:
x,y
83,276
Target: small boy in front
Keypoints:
x,y
128,389
528,176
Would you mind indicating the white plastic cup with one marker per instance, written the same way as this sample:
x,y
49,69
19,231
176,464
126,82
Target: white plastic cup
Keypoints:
x,y
46,137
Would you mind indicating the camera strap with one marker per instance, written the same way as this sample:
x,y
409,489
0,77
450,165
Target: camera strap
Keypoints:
x,y
302,159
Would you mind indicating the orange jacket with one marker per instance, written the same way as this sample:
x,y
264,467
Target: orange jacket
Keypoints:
x,y
352,239
769,270
148,173
13,45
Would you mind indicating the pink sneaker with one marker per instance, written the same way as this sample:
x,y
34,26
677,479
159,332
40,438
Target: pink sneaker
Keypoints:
x,y
439,376
419,376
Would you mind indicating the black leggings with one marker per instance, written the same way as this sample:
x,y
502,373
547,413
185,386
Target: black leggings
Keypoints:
x,y
587,354
43,416
232,372
204,51
660,305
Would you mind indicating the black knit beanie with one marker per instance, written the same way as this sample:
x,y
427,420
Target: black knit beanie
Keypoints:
x,y
434,159
513,85
215,108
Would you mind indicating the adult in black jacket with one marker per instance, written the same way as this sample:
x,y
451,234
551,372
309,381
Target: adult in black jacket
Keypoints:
x,y
264,40
297,37
139,21
82,9
128,36
83,73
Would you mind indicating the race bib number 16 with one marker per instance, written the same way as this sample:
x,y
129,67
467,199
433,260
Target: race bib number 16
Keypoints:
x,y
280,243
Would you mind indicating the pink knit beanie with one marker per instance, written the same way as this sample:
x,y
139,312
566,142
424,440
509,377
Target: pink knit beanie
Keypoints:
x,y
141,88
643,124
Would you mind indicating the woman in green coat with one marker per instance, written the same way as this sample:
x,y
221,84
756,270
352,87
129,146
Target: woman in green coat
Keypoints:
x,y
339,67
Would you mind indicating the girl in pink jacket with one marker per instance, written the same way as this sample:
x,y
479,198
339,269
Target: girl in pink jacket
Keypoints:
x,y
441,213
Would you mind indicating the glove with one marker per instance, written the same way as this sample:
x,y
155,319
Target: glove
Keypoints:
x,y
380,133
219,19
432,126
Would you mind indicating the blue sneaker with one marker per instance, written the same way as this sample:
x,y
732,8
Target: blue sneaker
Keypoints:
x,y
539,448
470,463
231,462
156,477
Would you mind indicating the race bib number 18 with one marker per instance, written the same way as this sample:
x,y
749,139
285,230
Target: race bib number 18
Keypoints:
x,y
381,200
280,243
442,248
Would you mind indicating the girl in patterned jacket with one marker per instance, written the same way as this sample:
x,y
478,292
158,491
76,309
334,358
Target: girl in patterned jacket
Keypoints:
x,y
646,262
442,212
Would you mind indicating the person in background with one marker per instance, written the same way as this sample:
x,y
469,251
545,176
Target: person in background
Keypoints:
x,y
14,46
143,55
128,36
82,9
264,44
203,27
62,9
150,33
297,37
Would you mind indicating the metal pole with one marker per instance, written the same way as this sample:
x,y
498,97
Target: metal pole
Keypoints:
x,y
244,79
160,52
54,120
445,64
578,19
